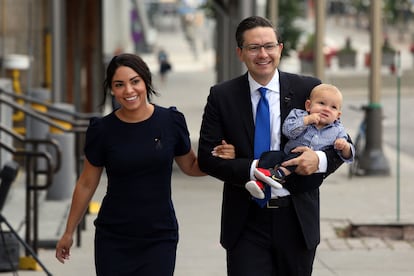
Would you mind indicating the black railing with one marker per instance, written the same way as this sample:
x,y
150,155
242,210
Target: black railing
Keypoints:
x,y
53,117
7,176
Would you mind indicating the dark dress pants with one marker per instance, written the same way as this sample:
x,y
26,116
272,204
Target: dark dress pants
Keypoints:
x,y
271,245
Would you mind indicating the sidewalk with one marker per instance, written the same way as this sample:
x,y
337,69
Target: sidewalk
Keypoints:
x,y
198,200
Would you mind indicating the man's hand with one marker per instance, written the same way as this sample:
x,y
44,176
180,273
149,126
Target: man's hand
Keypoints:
x,y
307,163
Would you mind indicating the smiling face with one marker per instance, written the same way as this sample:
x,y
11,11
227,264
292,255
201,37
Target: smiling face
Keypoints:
x,y
136,64
129,89
326,100
261,65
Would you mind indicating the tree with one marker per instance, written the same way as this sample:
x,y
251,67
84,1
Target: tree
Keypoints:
x,y
288,33
397,10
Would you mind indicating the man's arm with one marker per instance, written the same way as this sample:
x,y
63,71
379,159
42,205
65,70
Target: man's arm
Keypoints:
x,y
305,177
308,162
213,126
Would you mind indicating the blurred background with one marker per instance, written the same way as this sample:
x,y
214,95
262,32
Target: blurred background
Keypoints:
x,y
53,55
68,43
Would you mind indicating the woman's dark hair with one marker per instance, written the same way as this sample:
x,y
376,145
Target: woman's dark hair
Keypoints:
x,y
250,23
135,63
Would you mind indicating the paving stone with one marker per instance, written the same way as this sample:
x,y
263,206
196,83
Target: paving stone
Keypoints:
x,y
408,233
338,244
401,245
354,243
375,243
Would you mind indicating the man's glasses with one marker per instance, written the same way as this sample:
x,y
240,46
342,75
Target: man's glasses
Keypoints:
x,y
254,49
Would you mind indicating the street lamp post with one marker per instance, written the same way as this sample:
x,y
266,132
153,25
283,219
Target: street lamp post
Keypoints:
x,y
373,160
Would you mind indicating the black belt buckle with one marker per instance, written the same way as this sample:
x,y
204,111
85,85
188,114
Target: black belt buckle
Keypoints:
x,y
271,205
278,202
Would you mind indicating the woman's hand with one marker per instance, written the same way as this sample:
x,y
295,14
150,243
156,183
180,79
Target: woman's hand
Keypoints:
x,y
63,248
225,151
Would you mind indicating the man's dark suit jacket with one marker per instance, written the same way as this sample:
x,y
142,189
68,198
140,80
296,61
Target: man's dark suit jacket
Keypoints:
x,y
228,115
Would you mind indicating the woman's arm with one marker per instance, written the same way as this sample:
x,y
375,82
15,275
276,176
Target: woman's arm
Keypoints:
x,y
84,190
188,163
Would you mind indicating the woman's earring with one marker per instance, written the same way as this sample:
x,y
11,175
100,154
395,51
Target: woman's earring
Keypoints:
x,y
112,93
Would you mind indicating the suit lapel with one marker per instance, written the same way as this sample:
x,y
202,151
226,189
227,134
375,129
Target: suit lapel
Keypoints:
x,y
247,114
286,95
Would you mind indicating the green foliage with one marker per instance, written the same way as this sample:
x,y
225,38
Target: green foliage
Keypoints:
x,y
208,8
289,11
393,9
307,52
387,47
347,48
310,43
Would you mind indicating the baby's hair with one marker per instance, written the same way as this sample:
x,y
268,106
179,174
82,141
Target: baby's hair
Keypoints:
x,y
326,87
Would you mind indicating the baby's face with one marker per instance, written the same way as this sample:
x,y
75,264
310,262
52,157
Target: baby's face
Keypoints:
x,y
327,104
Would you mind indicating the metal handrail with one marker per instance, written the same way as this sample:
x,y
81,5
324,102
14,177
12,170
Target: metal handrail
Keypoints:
x,y
77,115
78,126
7,176
33,142
36,115
32,188
27,153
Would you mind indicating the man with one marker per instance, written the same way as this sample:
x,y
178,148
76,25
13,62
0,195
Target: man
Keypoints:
x,y
281,237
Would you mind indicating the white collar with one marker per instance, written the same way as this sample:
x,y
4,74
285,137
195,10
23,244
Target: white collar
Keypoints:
x,y
272,86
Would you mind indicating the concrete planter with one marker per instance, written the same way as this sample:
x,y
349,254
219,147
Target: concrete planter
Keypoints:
x,y
307,66
388,59
346,59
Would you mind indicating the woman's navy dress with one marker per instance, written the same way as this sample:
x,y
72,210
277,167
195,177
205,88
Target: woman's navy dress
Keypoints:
x,y
136,228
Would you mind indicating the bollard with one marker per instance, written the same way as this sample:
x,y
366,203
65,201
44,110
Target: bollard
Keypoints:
x,y
373,161
6,114
64,179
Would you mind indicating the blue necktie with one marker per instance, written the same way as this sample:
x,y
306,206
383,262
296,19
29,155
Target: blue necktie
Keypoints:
x,y
262,136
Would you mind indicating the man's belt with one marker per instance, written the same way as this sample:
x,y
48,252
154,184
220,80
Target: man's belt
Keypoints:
x,y
279,202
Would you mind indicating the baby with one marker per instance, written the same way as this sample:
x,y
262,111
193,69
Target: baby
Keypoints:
x,y
317,127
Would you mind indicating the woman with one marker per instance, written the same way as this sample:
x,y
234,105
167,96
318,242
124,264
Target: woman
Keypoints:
x,y
136,228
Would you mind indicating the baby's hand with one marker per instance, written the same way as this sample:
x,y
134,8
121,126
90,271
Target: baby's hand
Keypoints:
x,y
341,144
225,151
313,118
